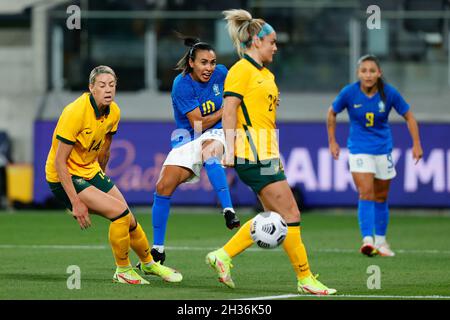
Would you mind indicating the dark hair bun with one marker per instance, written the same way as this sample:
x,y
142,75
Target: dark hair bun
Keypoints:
x,y
190,42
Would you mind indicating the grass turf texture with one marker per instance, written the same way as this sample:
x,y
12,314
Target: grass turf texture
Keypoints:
x,y
37,247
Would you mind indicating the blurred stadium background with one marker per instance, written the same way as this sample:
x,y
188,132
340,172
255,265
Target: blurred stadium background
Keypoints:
x,y
45,60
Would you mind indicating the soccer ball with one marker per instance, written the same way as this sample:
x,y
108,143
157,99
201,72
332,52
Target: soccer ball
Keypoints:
x,y
268,229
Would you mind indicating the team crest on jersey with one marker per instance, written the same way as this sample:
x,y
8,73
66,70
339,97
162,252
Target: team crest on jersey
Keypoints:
x,y
216,89
79,181
381,106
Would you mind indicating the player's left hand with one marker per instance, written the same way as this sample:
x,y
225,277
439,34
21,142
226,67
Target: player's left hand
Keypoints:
x,y
417,152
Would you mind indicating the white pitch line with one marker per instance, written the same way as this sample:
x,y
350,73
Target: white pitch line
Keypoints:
x,y
285,296
56,246
104,247
187,248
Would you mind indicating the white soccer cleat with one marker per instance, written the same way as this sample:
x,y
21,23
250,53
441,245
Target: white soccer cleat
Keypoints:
x,y
384,250
368,248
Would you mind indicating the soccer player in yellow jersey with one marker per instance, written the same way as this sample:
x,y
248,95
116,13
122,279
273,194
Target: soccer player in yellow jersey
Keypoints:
x,y
250,104
75,173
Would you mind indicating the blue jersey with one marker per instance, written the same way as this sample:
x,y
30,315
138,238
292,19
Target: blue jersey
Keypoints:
x,y
188,94
370,132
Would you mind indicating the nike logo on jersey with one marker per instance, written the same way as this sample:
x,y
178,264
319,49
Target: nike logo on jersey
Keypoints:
x,y
260,81
356,106
88,132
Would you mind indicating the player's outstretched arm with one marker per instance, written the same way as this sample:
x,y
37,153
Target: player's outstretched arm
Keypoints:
x,y
231,104
413,128
331,128
79,209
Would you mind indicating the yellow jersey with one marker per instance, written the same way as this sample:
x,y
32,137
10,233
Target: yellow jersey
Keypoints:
x,y
82,125
256,134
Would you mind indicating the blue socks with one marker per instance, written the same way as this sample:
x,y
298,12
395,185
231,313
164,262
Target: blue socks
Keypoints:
x,y
366,217
373,216
381,218
160,215
161,204
218,179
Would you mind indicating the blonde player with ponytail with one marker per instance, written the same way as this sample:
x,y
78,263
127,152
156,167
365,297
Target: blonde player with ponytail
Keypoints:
x,y
250,105
75,174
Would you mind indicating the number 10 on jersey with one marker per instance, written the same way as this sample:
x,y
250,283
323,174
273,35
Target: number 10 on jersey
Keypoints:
x,y
208,107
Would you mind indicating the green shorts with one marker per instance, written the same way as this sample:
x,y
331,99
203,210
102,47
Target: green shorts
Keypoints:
x,y
100,181
259,174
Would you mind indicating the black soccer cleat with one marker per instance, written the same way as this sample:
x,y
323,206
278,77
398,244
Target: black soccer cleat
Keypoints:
x,y
158,256
231,220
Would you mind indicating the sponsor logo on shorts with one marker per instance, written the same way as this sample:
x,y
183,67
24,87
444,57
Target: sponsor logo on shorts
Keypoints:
x,y
359,162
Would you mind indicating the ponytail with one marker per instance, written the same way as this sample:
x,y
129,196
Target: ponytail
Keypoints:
x,y
242,28
380,87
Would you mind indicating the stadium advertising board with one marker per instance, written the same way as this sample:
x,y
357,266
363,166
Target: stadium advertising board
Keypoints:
x,y
139,150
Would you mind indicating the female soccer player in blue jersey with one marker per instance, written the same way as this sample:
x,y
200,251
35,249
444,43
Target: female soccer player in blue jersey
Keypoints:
x,y
369,102
198,140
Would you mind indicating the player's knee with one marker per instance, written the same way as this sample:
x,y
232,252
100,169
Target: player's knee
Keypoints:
x,y
164,188
289,212
133,223
213,150
208,154
218,149
122,207
366,194
115,209
381,197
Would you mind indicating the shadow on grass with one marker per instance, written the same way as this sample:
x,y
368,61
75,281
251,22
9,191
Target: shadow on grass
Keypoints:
x,y
216,289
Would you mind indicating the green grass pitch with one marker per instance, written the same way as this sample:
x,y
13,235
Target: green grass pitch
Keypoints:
x,y
37,247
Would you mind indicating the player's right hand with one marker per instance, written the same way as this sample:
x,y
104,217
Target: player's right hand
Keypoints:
x,y
228,160
81,214
334,150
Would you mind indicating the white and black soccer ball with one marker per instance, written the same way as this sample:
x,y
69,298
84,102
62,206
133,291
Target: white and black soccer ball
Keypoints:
x,y
268,229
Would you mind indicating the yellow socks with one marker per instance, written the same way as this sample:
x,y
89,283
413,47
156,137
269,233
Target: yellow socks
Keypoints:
x,y
296,251
293,246
240,241
119,238
139,244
